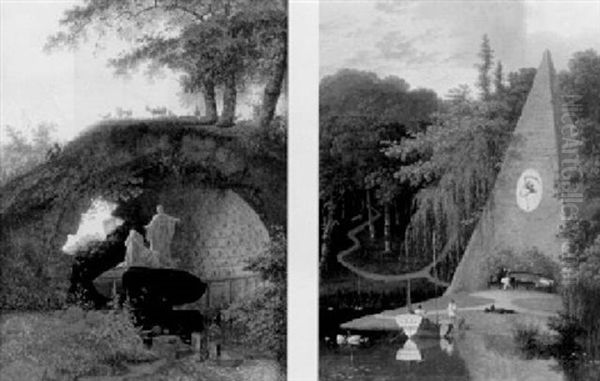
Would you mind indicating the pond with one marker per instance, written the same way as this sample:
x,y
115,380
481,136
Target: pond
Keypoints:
x,y
477,354
389,356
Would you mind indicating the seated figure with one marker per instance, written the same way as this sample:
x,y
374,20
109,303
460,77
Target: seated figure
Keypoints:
x,y
137,253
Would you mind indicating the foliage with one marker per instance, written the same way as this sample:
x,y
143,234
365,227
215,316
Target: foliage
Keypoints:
x,y
499,87
73,342
582,81
532,261
525,337
486,54
116,160
358,110
580,86
269,141
30,278
19,154
261,318
454,162
209,42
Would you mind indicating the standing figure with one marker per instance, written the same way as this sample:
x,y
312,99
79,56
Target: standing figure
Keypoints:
x,y
420,311
159,232
452,308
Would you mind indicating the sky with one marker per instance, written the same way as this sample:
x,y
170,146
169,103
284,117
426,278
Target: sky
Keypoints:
x,y
434,44
71,89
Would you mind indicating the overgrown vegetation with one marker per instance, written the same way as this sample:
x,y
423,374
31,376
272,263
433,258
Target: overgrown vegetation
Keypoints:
x,y
260,320
119,161
20,153
580,85
428,165
70,343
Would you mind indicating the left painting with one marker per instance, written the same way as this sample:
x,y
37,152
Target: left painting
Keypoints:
x,y
143,182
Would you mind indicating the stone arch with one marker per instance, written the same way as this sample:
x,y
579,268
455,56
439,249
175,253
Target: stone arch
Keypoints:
x,y
125,162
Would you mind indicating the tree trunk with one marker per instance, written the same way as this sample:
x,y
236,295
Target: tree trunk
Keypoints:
x,y
210,103
387,228
328,227
370,216
229,102
273,88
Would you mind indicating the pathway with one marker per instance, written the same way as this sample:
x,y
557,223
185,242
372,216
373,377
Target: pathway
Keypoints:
x,y
425,272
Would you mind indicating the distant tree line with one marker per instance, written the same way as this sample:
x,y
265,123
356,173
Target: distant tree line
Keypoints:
x,y
426,163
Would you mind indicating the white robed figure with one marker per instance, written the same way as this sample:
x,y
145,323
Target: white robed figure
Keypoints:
x,y
137,254
159,232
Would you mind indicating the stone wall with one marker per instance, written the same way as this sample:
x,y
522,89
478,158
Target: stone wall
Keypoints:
x,y
218,232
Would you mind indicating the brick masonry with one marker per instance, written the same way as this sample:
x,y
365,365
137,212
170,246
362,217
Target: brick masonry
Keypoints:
x,y
217,234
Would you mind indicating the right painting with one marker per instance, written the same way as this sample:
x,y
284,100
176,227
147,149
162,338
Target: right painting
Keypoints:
x,y
459,190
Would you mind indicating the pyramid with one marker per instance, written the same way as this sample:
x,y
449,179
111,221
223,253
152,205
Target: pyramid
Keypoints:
x,y
523,212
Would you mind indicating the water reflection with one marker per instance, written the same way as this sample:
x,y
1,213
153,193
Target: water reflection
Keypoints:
x,y
390,356
412,349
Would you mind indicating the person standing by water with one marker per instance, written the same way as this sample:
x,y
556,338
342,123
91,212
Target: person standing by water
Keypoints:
x,y
420,311
452,308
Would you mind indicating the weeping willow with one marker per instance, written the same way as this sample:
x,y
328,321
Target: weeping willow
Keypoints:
x,y
454,163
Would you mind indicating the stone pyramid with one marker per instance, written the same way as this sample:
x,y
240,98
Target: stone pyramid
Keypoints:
x,y
523,212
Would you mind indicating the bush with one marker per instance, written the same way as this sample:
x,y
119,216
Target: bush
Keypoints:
x,y
73,342
260,319
526,338
270,141
533,261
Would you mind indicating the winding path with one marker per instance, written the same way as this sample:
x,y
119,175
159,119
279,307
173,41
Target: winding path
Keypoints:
x,y
425,272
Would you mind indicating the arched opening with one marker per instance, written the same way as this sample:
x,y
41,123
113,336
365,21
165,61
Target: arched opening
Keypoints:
x,y
96,223
217,234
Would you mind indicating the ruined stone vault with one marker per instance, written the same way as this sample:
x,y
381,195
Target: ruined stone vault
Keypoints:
x,y
228,187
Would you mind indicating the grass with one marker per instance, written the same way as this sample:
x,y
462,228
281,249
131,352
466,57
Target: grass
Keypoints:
x,y
67,344
540,304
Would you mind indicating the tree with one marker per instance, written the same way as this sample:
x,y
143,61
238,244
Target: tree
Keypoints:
x,y
358,111
580,86
486,54
515,95
211,42
262,316
20,154
453,164
582,82
499,87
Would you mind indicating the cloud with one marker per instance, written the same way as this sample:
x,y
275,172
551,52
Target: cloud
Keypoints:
x,y
393,6
359,59
396,46
435,43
